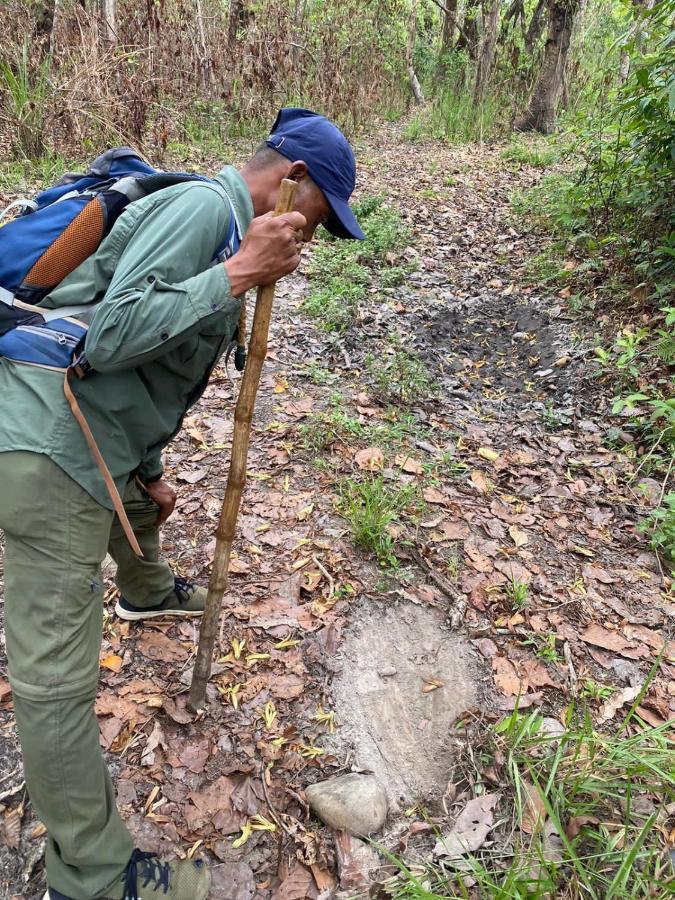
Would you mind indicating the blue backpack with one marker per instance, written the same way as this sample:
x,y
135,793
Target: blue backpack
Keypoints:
x,y
52,235
49,238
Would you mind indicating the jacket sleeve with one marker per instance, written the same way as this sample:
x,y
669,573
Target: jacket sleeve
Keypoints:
x,y
151,467
162,291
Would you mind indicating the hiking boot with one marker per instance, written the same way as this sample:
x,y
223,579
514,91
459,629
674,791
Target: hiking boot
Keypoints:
x,y
186,599
150,878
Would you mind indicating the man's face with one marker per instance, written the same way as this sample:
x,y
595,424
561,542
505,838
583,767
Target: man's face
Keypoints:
x,y
310,201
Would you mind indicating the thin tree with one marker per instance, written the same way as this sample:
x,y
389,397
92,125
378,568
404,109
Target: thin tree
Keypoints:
x,y
486,56
410,48
541,113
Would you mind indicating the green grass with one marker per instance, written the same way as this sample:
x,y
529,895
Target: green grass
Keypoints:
x,y
334,305
601,802
517,593
28,176
455,117
371,506
538,154
340,272
399,378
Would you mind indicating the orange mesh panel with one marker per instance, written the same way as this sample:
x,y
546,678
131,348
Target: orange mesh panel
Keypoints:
x,y
73,246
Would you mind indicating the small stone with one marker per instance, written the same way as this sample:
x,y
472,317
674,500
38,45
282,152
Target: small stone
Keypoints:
x,y
355,803
387,671
552,727
519,336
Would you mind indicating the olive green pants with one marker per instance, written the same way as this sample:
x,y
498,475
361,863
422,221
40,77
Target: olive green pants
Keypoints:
x,y
56,537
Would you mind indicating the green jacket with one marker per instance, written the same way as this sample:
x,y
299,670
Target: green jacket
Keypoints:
x,y
164,320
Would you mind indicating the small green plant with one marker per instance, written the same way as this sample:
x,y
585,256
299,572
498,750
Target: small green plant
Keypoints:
x,y
335,305
517,593
551,419
322,430
318,374
372,506
591,690
599,795
400,378
27,90
660,525
537,154
544,647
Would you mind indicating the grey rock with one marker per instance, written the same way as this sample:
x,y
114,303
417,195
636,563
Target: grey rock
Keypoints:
x,y
387,671
355,803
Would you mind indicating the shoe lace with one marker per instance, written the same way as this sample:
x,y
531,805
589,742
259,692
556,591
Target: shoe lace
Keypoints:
x,y
183,588
152,869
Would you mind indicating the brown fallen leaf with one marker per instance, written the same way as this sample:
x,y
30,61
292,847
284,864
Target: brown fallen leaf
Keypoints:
x,y
296,885
534,810
480,482
11,828
611,706
177,711
371,459
431,684
535,674
433,495
192,476
471,828
5,690
576,823
408,464
603,637
155,645
505,676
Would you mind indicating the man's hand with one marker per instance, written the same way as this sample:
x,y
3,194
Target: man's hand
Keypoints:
x,y
270,250
164,496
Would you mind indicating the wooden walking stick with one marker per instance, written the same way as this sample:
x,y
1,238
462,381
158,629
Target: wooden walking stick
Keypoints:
x,y
236,478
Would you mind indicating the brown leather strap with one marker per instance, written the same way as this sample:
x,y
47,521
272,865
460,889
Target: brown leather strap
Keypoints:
x,y
103,468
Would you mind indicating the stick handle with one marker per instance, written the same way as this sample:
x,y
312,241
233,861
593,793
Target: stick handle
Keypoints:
x,y
236,478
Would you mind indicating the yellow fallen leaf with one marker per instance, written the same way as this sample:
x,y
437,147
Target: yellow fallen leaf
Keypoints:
x,y
488,453
583,551
518,537
431,684
286,643
246,832
305,512
112,662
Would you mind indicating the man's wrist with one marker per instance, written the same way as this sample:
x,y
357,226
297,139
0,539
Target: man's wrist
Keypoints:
x,y
240,279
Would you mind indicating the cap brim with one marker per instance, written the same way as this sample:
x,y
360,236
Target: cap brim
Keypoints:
x,y
342,221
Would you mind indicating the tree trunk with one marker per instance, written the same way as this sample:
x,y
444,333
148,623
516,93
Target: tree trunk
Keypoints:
x,y
486,57
236,9
410,48
468,39
205,59
56,27
108,10
449,20
535,28
541,113
640,8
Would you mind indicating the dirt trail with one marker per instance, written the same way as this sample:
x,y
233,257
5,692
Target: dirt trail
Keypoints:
x,y
526,574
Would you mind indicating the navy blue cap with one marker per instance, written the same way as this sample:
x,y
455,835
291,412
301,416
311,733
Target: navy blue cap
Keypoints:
x,y
300,134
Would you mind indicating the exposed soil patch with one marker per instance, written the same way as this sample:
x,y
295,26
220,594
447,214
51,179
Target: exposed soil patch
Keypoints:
x,y
405,678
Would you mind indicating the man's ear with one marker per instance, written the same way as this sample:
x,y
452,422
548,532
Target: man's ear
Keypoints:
x,y
298,170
